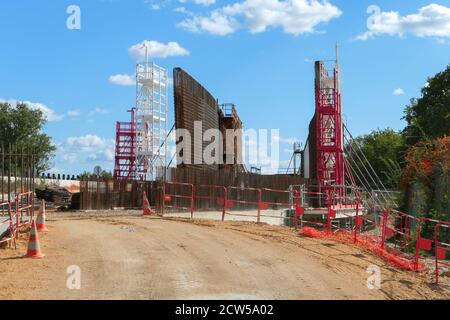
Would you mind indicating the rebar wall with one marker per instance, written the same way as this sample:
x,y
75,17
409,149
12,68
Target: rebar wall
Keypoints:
x,y
17,171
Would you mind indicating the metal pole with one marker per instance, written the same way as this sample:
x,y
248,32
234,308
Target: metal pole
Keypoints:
x,y
3,172
259,206
9,173
416,256
192,201
436,227
356,223
384,226
329,213
224,203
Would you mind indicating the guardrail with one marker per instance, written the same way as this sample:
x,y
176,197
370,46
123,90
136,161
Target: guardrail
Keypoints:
x,y
178,201
394,235
440,249
24,203
9,222
215,202
246,198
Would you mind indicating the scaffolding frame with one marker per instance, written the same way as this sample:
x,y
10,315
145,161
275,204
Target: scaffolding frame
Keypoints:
x,y
125,166
151,120
329,131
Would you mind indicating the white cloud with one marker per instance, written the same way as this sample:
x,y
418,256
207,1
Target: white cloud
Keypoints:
x,y
184,11
180,9
432,20
399,92
293,16
157,50
87,148
217,23
74,113
205,2
48,112
122,80
98,111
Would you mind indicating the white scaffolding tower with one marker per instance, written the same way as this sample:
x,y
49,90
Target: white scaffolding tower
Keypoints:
x,y
151,119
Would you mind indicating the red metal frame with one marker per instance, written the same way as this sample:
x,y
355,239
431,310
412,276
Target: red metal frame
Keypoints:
x,y
264,205
300,209
168,197
29,207
220,201
329,133
440,251
126,166
230,202
11,224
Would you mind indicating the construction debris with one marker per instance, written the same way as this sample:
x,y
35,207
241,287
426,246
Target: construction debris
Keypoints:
x,y
58,196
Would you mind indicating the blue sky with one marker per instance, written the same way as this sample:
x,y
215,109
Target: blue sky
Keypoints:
x,y
257,54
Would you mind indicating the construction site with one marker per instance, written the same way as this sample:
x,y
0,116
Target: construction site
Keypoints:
x,y
175,226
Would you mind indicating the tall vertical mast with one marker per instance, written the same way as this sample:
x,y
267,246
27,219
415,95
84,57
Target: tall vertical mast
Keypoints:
x,y
151,118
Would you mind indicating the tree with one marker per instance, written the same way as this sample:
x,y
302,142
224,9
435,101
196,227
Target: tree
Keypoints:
x,y
97,173
106,175
383,150
426,180
21,127
429,116
426,174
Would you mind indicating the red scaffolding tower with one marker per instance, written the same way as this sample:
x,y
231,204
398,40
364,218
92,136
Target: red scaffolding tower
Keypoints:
x,y
125,159
329,131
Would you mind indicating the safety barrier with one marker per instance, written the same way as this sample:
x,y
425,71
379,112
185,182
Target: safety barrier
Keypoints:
x,y
283,201
441,249
401,235
8,222
240,201
393,235
211,199
177,195
305,199
24,203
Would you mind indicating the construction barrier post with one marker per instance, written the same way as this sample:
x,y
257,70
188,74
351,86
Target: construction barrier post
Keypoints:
x,y
31,195
436,227
225,192
163,200
355,239
416,256
17,217
259,205
192,201
383,228
11,226
295,210
329,213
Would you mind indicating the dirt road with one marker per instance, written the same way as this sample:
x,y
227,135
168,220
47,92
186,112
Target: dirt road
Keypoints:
x,y
131,257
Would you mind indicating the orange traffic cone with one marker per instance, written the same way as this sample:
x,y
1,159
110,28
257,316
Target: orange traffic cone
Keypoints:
x,y
40,219
34,249
147,211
